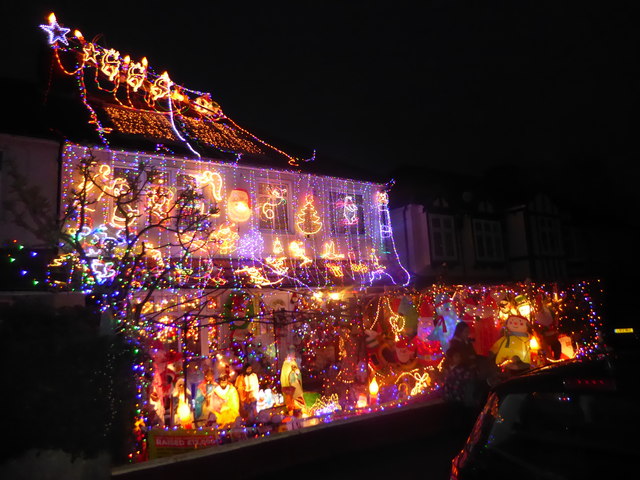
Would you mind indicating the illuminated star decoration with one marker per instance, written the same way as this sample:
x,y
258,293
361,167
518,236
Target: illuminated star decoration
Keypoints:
x,y
56,32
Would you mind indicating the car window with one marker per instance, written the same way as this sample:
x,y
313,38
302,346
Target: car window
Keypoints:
x,y
588,428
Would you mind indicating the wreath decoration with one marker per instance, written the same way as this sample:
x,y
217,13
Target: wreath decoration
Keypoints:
x,y
239,308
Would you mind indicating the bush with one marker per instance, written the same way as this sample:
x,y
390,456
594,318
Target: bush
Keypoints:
x,y
67,387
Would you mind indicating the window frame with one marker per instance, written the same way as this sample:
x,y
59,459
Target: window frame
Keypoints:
x,y
434,230
335,228
483,237
261,199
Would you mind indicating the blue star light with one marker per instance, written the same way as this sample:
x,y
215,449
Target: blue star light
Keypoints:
x,y
56,32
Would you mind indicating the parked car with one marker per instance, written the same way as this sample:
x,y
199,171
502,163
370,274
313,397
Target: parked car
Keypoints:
x,y
578,419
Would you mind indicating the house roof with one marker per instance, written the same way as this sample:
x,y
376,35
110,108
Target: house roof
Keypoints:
x,y
96,95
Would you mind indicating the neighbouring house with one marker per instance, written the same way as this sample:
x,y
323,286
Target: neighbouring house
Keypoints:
x,y
471,228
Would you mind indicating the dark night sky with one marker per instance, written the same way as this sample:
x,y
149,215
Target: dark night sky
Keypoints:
x,y
447,84
450,84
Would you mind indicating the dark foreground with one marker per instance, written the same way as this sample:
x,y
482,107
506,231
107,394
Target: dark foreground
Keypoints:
x,y
416,441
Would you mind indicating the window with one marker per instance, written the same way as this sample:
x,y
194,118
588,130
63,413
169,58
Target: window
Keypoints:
x,y
589,428
272,206
549,236
128,174
184,181
1,182
487,237
443,237
192,208
347,214
157,177
125,206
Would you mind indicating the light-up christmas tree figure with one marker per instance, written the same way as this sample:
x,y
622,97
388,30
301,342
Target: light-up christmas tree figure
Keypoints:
x,y
307,220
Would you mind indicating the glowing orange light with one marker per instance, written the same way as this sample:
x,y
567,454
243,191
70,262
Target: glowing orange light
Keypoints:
x,y
329,251
373,391
110,64
160,88
212,181
136,73
533,344
297,250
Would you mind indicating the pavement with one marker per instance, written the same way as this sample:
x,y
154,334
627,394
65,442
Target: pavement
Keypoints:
x,y
416,440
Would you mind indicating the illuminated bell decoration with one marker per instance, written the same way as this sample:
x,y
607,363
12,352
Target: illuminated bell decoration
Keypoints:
x,y
238,206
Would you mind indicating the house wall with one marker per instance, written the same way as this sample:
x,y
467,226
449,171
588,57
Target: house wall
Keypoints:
x,y
532,242
350,216
517,244
412,238
245,180
37,160
473,268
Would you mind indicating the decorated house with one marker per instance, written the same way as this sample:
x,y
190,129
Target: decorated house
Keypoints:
x,y
213,249
208,245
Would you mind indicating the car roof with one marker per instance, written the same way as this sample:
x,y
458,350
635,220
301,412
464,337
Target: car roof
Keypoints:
x,y
610,371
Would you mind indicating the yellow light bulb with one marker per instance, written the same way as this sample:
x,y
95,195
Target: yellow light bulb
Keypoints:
x,y
533,344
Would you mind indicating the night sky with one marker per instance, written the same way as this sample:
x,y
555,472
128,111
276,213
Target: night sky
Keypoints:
x,y
454,85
